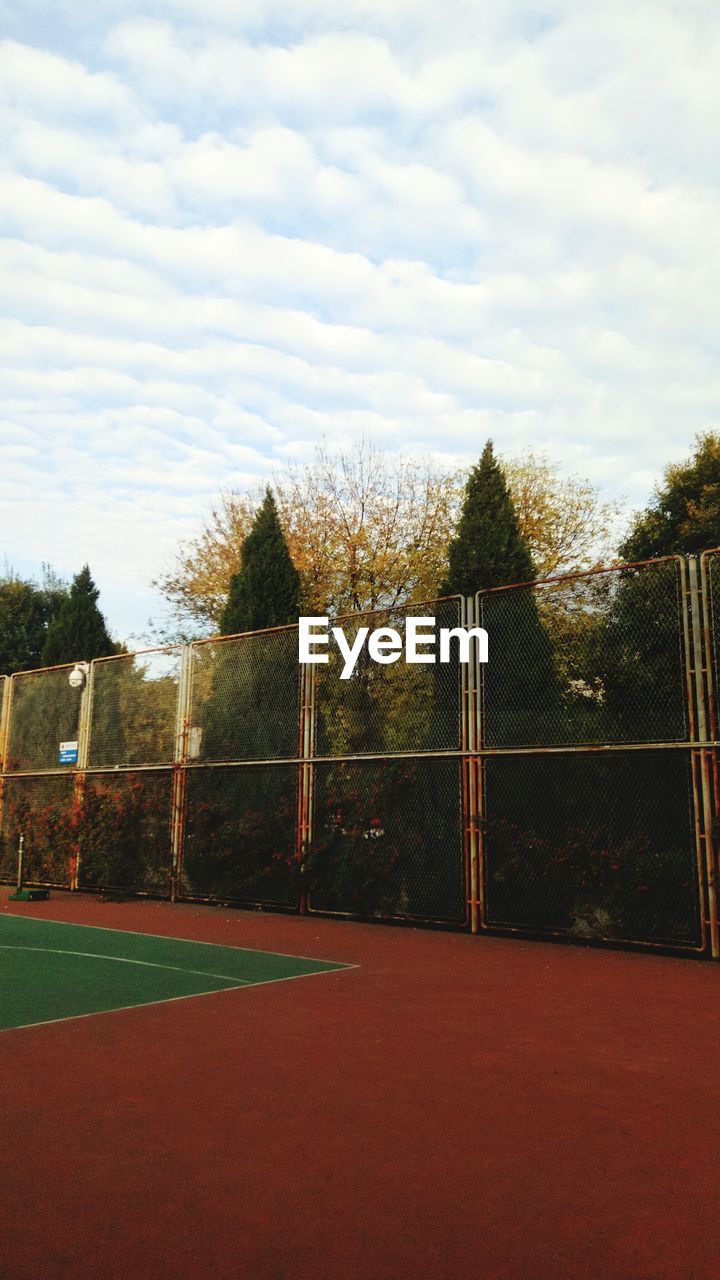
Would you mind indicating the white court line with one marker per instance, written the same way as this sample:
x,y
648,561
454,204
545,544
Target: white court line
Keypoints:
x,y
171,937
149,964
240,984
123,1008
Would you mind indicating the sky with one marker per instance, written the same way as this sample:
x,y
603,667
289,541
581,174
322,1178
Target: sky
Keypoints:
x,y
230,228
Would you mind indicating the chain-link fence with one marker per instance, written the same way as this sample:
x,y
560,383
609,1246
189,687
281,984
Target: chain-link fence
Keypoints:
x,y
610,844
240,842
124,836
593,845
41,808
569,787
244,697
589,659
393,707
134,709
388,840
44,712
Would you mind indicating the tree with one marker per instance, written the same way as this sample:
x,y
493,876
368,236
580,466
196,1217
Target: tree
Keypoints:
x,y
365,529
368,529
26,610
248,679
488,549
520,692
684,515
265,592
562,518
78,632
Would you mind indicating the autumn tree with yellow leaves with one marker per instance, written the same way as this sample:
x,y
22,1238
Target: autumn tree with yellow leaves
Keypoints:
x,y
368,529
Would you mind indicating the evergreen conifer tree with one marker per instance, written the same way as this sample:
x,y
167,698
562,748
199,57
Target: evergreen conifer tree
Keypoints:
x,y
488,549
522,705
78,632
265,592
251,714
254,677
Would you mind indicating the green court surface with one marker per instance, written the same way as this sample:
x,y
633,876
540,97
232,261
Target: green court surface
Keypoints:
x,y
51,971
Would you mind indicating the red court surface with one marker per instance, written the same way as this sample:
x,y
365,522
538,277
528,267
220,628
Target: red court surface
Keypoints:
x,y
454,1107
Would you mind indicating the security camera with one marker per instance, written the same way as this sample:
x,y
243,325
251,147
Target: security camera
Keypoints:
x,y
78,675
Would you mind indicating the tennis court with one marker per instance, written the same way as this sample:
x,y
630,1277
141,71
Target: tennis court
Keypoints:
x,y
55,970
415,1104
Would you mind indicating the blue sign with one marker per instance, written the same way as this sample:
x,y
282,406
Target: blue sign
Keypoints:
x,y
68,753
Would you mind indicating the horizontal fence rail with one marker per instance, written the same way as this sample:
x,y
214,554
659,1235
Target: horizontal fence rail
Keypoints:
x,y
569,787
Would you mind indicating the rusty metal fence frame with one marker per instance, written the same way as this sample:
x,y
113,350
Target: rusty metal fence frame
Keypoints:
x,y
699,646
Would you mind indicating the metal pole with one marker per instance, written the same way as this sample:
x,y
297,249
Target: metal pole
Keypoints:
x,y
704,815
179,776
83,732
21,844
477,712
300,799
306,771
5,685
710,638
5,702
468,744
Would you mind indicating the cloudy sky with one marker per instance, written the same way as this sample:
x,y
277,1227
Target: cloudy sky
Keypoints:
x,y
232,227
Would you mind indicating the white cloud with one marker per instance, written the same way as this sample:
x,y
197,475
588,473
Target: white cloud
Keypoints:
x,y
230,230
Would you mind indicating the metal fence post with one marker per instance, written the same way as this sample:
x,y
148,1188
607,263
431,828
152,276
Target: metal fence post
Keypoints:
x,y
5,700
468,744
179,780
80,775
710,637
306,772
477,712
701,761
5,687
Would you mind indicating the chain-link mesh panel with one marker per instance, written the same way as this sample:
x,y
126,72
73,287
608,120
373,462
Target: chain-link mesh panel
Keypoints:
x,y
124,838
593,846
593,659
240,835
4,690
387,840
134,709
41,808
245,697
713,590
45,711
394,707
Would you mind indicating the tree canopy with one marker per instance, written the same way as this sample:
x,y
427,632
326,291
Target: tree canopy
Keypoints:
x,y
78,632
684,515
369,529
265,592
26,610
488,549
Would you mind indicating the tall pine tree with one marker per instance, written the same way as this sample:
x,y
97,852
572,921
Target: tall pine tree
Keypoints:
x,y
521,704
247,849
254,678
488,549
78,632
265,592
